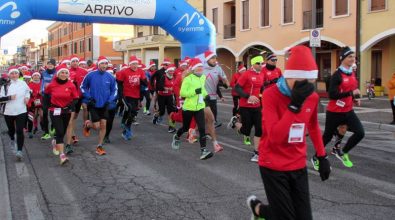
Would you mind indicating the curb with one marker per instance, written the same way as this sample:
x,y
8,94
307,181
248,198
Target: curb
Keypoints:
x,y
5,204
371,125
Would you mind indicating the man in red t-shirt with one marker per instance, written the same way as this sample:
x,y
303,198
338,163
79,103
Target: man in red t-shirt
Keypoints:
x,y
131,78
233,83
271,73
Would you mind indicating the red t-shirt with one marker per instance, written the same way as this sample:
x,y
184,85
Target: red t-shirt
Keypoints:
x,y
77,75
348,84
35,89
61,94
269,75
275,150
168,87
131,82
233,83
252,83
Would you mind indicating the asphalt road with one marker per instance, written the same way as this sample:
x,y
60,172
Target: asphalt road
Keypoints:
x,y
145,179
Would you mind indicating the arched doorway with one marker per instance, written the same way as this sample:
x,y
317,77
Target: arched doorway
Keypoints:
x,y
227,61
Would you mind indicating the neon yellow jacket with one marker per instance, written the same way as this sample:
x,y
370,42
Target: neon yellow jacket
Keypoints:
x,y
193,101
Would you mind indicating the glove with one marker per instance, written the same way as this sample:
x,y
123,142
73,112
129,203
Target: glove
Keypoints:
x,y
324,167
274,81
198,91
92,103
301,90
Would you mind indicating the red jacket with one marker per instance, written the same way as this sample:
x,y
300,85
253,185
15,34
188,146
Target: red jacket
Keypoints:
x,y
233,83
77,75
252,83
168,87
62,95
35,94
131,82
340,89
270,75
275,152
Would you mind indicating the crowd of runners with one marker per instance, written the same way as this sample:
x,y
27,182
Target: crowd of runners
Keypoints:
x,y
281,106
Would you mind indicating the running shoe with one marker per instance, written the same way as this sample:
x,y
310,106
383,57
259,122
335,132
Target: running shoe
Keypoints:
x,y
155,120
35,130
247,140
123,126
74,139
124,136
171,129
135,122
205,154
30,135
346,161
172,123
217,124
129,133
147,113
338,152
19,155
217,148
13,145
63,159
100,150
254,158
55,150
252,202
315,162
160,119
86,129
52,132
45,136
145,110
106,140
192,136
68,149
232,123
176,142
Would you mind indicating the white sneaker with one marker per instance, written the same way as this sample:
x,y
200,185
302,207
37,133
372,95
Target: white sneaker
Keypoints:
x,y
254,158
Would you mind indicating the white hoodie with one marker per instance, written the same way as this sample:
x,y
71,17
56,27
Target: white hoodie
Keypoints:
x,y
22,92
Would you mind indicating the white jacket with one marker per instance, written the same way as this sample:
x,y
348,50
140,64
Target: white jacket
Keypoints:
x,y
22,92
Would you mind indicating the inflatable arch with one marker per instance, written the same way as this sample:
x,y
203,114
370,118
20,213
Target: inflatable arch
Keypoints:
x,y
195,32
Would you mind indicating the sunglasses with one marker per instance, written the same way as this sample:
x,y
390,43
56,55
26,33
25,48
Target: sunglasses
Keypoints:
x,y
258,63
273,60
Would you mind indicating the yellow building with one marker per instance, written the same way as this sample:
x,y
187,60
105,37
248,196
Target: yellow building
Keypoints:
x,y
377,41
248,27
153,43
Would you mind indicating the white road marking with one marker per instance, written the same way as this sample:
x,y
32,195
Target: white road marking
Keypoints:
x,y
32,206
384,194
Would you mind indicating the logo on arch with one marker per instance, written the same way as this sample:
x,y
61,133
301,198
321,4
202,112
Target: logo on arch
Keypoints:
x,y
9,12
190,23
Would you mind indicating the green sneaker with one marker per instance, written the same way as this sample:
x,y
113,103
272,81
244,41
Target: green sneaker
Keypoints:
x,y
346,161
68,149
247,140
46,136
172,123
52,132
315,162
176,142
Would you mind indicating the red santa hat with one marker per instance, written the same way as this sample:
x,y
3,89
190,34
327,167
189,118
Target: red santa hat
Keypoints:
x,y
110,65
241,68
110,70
133,59
124,66
65,60
24,67
82,61
62,67
166,61
13,69
27,75
187,59
143,66
195,63
301,64
102,59
171,67
74,58
4,75
36,73
209,54
151,64
183,63
140,63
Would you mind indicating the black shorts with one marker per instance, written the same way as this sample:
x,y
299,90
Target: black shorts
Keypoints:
x,y
98,114
78,106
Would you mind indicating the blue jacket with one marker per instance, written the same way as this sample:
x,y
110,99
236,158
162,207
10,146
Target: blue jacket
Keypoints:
x,y
101,87
47,77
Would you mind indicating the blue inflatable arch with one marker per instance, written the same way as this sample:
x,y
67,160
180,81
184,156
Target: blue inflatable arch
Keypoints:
x,y
195,32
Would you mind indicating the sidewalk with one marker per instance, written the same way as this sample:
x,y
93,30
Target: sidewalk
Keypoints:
x,y
5,205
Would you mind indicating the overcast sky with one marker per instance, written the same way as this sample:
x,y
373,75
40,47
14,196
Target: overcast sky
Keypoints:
x,y
34,29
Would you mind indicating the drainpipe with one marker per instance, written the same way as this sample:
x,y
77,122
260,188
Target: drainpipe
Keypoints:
x,y
204,7
358,40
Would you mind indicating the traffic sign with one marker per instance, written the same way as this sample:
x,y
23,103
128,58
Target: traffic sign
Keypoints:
x,y
5,51
315,38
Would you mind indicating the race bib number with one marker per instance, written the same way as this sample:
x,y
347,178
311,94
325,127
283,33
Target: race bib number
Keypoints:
x,y
201,99
37,102
340,103
57,111
296,133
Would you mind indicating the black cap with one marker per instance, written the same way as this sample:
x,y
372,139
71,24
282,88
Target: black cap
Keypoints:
x,y
52,61
270,55
345,52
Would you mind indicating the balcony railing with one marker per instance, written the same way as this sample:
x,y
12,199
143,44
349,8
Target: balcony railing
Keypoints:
x,y
229,31
307,19
122,44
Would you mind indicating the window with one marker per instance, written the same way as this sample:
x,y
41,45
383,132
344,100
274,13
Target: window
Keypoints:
x,y
245,14
288,16
59,51
264,13
377,5
140,34
341,7
215,18
155,30
65,31
90,44
82,48
75,48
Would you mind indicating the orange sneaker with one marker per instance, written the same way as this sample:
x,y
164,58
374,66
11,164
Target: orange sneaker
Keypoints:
x,y
86,129
100,151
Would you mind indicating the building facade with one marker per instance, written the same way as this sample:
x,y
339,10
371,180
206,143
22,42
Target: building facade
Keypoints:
x,y
153,43
86,40
377,42
249,27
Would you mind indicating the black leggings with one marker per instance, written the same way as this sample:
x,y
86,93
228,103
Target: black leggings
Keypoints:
x,y
235,109
334,119
15,124
251,117
110,121
60,123
288,194
393,110
213,107
166,102
146,95
46,104
132,105
199,118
